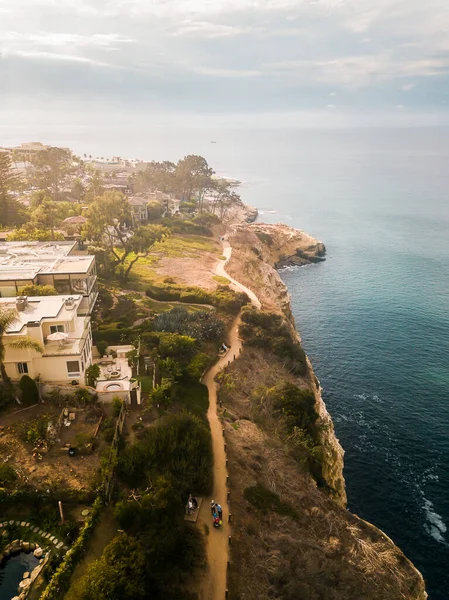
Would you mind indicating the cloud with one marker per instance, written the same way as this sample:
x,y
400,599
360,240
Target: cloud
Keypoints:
x,y
273,53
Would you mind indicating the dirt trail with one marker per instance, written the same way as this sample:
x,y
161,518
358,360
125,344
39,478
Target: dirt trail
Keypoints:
x,y
214,584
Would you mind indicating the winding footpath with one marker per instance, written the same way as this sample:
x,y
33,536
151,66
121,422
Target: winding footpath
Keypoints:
x,y
215,581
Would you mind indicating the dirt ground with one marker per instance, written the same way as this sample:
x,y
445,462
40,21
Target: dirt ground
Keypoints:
x,y
190,270
52,467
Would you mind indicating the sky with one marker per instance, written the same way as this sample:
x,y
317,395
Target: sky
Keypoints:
x,y
227,57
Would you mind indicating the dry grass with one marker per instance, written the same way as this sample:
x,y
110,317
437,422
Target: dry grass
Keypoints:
x,y
323,553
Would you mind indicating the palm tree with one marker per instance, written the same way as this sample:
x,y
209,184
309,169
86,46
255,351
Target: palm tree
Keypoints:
x,y
7,318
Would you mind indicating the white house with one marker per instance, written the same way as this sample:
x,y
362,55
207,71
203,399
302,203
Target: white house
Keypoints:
x,y
48,263
64,360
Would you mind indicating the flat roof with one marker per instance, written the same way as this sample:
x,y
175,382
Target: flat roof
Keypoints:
x,y
25,260
39,308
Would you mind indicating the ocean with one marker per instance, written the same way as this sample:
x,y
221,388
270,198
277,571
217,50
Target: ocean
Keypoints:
x,y
374,317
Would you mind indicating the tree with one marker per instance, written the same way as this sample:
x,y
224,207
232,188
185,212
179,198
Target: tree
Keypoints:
x,y
30,393
194,176
118,574
78,190
7,318
141,244
51,169
108,220
47,216
92,374
155,210
11,211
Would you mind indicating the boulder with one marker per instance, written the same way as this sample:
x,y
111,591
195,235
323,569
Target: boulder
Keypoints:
x,y
38,552
24,584
26,546
26,574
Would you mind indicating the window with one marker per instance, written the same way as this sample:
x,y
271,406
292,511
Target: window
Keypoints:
x,y
73,368
22,368
56,328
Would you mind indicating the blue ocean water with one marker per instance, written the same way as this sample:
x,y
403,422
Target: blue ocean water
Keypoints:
x,y
374,318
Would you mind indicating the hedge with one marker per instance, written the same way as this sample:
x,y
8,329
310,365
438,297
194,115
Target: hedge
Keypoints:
x,y
58,584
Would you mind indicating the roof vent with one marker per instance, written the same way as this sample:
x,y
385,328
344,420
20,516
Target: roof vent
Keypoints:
x,y
21,303
69,302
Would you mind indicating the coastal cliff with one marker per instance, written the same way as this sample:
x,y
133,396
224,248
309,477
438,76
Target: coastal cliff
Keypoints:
x,y
258,250
293,536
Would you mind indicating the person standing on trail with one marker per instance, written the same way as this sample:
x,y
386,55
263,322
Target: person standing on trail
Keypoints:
x,y
219,511
212,507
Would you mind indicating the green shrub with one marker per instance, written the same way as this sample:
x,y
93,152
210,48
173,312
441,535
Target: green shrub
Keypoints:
x,y
297,406
223,297
102,347
180,347
34,431
178,447
38,290
30,393
93,373
201,325
266,500
114,336
270,331
6,396
108,429
7,474
198,365
116,406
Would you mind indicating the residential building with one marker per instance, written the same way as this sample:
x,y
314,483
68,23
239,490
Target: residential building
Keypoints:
x,y
48,263
64,360
139,207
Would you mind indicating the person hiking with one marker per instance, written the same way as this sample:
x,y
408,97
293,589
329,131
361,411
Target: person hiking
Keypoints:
x,y
219,511
212,507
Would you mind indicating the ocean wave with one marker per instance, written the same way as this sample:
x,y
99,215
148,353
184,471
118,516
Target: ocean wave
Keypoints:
x,y
435,525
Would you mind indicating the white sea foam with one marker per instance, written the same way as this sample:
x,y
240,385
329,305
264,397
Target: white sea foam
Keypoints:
x,y
435,525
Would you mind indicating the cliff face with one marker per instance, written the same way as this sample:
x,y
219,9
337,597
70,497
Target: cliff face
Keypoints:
x,y
325,552
257,250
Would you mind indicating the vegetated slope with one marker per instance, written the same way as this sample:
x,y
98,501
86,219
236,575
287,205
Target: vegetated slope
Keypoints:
x,y
292,536
290,540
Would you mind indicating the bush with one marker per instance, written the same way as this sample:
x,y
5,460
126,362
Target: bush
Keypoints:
x,y
30,393
7,474
114,336
202,325
116,406
35,431
92,373
102,346
38,290
198,365
178,447
297,405
180,347
223,297
108,429
6,396
270,331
